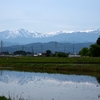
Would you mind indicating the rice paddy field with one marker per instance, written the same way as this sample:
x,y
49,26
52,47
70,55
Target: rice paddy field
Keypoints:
x,y
64,66
87,64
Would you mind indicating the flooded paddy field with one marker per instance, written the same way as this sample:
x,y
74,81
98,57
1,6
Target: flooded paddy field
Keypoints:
x,y
46,86
50,78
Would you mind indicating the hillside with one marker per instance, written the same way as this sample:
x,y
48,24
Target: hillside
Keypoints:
x,y
53,46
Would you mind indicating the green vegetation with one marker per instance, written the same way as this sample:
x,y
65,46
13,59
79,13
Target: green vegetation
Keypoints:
x,y
93,51
4,98
59,54
64,64
48,53
84,52
13,98
21,52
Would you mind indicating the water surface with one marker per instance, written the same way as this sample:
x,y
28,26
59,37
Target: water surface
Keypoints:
x,y
44,86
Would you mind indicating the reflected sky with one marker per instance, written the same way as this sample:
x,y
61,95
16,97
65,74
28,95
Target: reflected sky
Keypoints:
x,y
44,86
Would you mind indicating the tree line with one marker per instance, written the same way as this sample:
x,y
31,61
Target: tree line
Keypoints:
x,y
48,53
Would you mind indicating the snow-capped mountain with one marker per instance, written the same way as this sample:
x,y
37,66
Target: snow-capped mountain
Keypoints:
x,y
18,33
23,36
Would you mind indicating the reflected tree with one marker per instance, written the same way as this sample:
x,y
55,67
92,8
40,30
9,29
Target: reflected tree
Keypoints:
x,y
98,79
98,41
1,72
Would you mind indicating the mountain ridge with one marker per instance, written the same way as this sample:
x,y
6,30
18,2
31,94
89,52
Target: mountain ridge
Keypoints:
x,y
23,36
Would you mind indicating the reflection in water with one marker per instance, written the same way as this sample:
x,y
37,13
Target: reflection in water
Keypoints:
x,y
98,79
43,86
0,72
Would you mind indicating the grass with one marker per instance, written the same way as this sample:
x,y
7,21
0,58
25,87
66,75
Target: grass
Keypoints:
x,y
9,98
17,97
49,59
4,98
86,64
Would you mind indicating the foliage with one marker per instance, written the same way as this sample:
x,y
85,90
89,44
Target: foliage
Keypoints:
x,y
48,53
95,50
4,98
84,51
9,98
98,41
6,53
21,52
60,54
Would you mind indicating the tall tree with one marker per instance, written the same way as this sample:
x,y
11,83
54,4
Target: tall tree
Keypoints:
x,y
84,51
48,53
95,50
98,41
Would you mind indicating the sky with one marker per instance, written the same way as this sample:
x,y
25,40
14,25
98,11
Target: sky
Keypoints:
x,y
49,15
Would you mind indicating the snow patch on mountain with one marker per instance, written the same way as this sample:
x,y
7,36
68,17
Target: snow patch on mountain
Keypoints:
x,y
23,36
24,33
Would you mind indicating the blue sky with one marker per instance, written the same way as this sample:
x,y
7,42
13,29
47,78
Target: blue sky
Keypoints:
x,y
49,15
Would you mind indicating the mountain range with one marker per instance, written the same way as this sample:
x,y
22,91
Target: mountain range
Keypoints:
x,y
22,36
61,41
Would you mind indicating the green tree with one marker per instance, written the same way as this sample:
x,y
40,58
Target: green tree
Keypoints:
x,y
95,50
84,51
48,53
20,52
98,41
61,54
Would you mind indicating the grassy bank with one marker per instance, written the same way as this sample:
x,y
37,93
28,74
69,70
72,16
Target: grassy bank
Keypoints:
x,y
87,64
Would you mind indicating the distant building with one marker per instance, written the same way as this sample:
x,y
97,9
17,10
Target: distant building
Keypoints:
x,y
39,54
74,55
35,55
44,54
